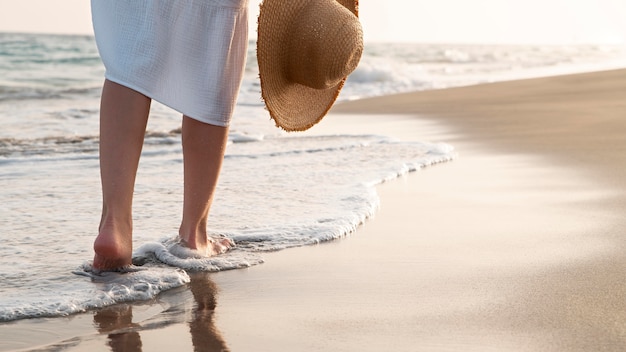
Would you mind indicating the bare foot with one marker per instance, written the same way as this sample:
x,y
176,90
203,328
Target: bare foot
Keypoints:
x,y
208,246
113,250
219,245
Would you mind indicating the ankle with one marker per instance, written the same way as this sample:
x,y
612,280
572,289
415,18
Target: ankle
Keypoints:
x,y
115,223
193,237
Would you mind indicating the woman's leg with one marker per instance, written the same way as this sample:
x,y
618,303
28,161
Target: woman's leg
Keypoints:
x,y
123,119
203,152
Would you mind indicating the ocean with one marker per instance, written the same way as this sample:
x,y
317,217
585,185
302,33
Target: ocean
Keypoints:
x,y
277,190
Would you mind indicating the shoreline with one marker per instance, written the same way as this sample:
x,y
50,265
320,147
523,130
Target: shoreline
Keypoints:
x,y
539,100
516,245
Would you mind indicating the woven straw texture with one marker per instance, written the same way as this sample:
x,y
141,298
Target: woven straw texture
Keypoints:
x,y
305,50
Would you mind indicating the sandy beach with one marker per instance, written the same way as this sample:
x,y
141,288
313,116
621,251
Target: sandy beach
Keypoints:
x,y
514,246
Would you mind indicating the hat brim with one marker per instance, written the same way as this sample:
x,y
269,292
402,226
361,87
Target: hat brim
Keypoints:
x,y
292,106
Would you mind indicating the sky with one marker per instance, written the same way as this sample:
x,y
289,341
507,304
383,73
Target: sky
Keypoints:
x,y
427,21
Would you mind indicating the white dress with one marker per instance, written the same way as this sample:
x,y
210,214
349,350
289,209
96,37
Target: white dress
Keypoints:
x,y
186,54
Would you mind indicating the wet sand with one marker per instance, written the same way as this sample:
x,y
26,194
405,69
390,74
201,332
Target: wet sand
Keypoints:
x,y
514,246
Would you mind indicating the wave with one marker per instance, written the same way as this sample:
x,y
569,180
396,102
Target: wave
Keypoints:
x,y
103,290
12,149
60,145
20,93
395,68
274,193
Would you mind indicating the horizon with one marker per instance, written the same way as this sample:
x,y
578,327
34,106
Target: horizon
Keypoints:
x,y
585,22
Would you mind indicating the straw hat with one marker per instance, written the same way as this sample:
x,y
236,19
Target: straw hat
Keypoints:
x,y
306,49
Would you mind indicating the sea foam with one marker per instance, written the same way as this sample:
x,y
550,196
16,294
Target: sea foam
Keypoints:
x,y
103,290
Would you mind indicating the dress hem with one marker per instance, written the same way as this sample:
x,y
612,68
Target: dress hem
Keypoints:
x,y
145,92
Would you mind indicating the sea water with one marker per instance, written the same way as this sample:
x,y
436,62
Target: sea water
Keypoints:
x,y
276,190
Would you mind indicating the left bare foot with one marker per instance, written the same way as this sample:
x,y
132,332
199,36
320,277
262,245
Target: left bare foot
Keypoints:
x,y
112,250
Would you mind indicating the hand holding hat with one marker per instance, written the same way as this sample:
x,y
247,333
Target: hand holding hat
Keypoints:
x,y
306,49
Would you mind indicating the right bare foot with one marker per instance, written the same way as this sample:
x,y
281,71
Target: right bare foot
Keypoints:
x,y
199,246
113,250
207,246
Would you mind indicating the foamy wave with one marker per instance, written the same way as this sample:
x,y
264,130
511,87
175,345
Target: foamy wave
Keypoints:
x,y
243,137
107,289
394,68
377,76
59,145
18,93
161,252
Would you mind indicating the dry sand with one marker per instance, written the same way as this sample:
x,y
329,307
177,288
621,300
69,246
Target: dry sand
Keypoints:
x,y
515,246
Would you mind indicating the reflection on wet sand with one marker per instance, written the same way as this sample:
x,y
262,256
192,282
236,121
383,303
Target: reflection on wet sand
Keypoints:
x,y
204,333
125,335
117,321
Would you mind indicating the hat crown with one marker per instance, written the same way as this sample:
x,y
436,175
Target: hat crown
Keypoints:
x,y
322,49
305,51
